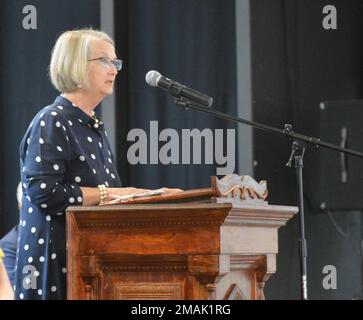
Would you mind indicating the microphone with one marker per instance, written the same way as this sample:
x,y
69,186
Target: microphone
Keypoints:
x,y
155,79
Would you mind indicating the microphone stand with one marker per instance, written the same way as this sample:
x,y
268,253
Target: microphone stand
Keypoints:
x,y
297,153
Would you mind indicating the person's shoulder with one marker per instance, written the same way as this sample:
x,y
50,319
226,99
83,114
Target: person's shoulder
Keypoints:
x,y
51,113
51,110
46,118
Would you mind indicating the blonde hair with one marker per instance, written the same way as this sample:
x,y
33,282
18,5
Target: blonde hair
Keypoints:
x,y
68,64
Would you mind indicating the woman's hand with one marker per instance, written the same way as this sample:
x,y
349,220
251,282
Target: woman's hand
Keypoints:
x,y
125,191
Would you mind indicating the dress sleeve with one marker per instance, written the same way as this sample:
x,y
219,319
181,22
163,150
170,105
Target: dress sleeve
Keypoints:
x,y
46,155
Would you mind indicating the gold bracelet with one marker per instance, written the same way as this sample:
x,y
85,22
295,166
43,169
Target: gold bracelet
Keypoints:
x,y
2,255
103,193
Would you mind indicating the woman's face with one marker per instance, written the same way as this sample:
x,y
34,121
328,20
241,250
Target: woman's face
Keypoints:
x,y
100,74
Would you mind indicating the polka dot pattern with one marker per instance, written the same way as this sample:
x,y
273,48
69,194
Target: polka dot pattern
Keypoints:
x,y
62,143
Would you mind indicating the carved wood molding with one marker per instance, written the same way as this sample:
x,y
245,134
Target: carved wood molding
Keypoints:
x,y
241,189
135,263
91,287
212,290
148,291
143,268
260,295
247,262
148,223
234,293
263,267
88,264
151,215
264,274
215,265
270,216
208,270
129,208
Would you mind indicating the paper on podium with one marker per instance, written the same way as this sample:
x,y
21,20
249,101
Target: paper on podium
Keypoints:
x,y
118,199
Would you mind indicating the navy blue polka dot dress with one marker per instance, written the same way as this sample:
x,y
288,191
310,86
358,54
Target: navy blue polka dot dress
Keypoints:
x,y
62,150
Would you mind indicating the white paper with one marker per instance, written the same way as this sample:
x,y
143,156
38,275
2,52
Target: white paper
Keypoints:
x,y
124,198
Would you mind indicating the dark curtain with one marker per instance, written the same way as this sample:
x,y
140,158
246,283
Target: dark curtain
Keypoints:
x,y
192,42
24,87
297,64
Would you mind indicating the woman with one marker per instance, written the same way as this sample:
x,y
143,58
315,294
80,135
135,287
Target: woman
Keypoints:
x,y
65,160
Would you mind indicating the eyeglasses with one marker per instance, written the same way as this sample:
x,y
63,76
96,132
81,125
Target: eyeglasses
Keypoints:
x,y
108,63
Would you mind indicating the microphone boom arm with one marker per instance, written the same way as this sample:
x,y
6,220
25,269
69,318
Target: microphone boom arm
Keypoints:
x,y
287,132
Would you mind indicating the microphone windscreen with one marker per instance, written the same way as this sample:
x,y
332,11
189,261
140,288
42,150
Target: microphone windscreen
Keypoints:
x,y
152,78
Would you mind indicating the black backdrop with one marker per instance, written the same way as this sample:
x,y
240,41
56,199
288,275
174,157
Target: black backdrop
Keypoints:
x,y
190,41
296,65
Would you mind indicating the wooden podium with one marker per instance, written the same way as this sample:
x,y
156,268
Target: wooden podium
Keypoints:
x,y
167,248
